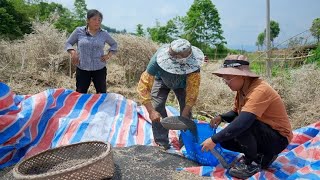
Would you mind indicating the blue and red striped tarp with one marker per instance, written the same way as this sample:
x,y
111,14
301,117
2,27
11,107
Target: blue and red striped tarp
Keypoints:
x,y
300,160
56,117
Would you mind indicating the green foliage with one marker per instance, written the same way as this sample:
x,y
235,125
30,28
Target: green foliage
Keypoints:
x,y
274,30
259,67
260,40
29,10
45,10
13,24
220,51
66,21
202,24
139,30
315,29
163,34
80,9
201,118
16,17
316,56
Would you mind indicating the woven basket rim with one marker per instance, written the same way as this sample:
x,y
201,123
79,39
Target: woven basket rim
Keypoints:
x,y
89,162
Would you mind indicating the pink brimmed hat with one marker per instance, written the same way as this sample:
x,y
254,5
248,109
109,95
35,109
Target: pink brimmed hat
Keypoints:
x,y
237,65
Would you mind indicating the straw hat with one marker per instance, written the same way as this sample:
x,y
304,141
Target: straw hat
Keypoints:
x,y
237,65
183,65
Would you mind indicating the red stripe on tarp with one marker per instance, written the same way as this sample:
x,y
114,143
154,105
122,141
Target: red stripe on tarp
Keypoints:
x,y
194,170
125,127
7,158
290,169
140,130
300,138
9,119
40,102
53,124
74,124
6,101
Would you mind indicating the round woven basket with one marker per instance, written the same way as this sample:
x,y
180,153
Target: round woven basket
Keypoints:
x,y
86,160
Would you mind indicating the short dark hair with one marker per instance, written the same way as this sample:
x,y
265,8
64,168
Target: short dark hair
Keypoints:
x,y
94,12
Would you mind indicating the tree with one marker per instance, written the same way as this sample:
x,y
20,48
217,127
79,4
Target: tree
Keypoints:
x,y
315,29
260,40
13,24
139,30
66,21
45,10
80,9
177,27
163,34
274,30
27,9
202,24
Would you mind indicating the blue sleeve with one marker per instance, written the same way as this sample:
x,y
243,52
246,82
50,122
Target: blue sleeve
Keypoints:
x,y
235,128
112,43
72,39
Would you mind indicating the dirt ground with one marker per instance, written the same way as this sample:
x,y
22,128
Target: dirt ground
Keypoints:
x,y
142,162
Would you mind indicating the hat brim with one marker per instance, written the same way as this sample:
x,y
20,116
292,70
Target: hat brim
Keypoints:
x,y
167,63
235,72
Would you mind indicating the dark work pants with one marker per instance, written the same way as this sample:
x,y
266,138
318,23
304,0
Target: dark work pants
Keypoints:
x,y
159,95
260,139
98,78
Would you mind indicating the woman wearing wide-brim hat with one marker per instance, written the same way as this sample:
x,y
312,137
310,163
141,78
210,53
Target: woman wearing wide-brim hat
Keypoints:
x,y
259,125
175,66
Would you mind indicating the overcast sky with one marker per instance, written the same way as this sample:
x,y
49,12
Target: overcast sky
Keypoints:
x,y
242,20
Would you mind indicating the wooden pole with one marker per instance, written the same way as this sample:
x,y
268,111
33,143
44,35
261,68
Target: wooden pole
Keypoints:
x,y
268,62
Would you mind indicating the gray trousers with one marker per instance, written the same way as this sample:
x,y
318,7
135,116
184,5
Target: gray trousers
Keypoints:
x,y
159,95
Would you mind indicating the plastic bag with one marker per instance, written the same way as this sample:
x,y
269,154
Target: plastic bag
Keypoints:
x,y
193,146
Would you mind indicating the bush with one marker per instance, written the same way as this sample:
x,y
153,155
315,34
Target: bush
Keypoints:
x,y
315,58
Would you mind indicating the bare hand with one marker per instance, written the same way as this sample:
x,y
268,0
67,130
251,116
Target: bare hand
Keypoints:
x,y
208,145
75,58
186,112
106,57
215,121
155,116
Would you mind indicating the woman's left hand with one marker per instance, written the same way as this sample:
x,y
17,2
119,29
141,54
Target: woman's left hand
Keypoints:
x,y
208,145
106,57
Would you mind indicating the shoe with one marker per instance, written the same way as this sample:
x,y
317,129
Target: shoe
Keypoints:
x,y
243,170
241,160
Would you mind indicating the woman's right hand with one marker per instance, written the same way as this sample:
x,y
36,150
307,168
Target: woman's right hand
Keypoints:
x,y
215,121
74,57
155,116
